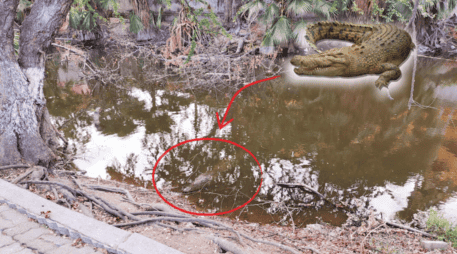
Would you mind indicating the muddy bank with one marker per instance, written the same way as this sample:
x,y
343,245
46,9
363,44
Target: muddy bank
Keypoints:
x,y
192,236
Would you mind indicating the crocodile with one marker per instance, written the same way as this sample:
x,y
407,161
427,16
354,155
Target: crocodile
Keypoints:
x,y
377,49
207,179
199,183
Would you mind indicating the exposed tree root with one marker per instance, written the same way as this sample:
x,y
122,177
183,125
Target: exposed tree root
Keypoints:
x,y
13,166
158,210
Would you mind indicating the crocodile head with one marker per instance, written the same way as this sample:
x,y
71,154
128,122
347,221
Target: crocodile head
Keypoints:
x,y
324,64
199,183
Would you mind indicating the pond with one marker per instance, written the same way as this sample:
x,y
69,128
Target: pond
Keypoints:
x,y
341,137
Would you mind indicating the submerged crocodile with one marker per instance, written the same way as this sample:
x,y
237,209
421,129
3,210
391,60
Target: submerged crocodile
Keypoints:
x,y
207,179
199,183
377,49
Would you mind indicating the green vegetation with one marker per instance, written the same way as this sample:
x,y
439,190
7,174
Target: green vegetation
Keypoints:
x,y
135,23
277,15
21,10
436,9
84,14
282,26
441,227
16,42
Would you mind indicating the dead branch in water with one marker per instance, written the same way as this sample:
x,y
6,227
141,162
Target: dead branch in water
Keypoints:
x,y
311,190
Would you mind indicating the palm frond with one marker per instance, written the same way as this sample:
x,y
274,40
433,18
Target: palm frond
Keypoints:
x,y
299,7
135,23
322,8
271,12
253,7
281,31
267,39
299,32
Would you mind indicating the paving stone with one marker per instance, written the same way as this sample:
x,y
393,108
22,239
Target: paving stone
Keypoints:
x,y
140,244
15,226
14,216
21,228
41,245
11,249
5,240
31,235
57,240
67,248
26,251
4,224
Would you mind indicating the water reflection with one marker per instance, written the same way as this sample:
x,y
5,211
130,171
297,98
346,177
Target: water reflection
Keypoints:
x,y
343,141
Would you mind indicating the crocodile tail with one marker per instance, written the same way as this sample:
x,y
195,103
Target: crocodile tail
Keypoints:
x,y
337,30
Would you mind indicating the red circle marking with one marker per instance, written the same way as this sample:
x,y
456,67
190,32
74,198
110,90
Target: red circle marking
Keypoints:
x,y
199,139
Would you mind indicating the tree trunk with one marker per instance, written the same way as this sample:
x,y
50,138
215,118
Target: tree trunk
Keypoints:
x,y
228,13
26,132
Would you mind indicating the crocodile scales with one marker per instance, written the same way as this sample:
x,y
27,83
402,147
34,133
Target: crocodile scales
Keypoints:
x,y
377,49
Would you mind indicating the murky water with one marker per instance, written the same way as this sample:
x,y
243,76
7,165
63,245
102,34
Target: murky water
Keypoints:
x,y
341,137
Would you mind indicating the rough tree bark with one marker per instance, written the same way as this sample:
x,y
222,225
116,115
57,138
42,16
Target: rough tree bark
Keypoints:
x,y
26,132
228,13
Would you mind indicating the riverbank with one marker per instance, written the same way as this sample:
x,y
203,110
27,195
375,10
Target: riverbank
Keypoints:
x,y
193,234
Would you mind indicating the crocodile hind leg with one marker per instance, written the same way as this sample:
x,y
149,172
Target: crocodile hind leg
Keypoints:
x,y
388,72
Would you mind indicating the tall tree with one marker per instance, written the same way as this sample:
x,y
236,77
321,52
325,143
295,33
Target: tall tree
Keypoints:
x,y
26,133
228,12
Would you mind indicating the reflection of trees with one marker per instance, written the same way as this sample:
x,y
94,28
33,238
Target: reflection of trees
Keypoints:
x,y
233,170
439,181
353,142
351,135
121,112
341,141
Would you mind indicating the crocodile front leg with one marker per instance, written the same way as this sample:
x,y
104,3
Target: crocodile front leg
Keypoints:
x,y
388,72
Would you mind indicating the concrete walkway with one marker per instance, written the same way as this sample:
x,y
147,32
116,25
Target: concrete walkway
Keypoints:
x,y
19,234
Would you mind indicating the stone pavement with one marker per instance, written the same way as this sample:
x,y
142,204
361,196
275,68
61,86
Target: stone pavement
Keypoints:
x,y
19,234
44,234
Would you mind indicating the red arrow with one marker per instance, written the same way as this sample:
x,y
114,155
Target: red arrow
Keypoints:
x,y
222,124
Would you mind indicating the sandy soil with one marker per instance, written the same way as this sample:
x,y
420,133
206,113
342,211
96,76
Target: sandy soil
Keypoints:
x,y
193,238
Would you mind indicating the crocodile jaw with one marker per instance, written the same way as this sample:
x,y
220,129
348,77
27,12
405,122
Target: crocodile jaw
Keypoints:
x,y
321,65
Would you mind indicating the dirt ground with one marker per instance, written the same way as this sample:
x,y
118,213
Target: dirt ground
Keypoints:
x,y
193,237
